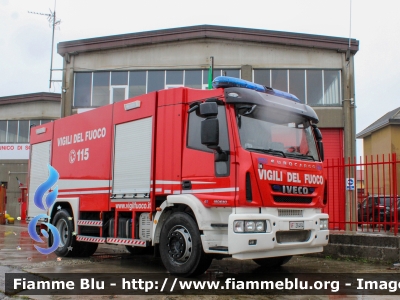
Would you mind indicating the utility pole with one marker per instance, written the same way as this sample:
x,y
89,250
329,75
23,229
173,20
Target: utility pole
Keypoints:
x,y
349,135
51,17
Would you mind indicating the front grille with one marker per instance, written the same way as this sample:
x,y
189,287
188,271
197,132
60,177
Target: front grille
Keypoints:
x,y
292,199
298,236
290,212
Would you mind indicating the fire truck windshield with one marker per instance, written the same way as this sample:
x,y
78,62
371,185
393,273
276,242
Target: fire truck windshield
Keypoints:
x,y
275,132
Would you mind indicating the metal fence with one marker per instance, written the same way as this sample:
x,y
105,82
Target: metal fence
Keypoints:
x,y
363,195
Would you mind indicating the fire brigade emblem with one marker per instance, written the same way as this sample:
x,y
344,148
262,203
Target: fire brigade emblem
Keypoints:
x,y
72,156
45,205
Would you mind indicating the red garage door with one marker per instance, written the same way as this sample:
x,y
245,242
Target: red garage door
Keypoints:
x,y
333,150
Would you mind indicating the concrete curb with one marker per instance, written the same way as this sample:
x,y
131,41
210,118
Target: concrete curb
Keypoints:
x,y
372,247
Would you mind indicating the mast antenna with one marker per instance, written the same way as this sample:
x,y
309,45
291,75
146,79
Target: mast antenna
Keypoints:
x,y
53,22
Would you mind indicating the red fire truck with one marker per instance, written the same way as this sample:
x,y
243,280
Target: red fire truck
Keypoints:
x,y
197,174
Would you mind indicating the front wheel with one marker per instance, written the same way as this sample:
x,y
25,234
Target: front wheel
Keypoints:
x,y
272,262
65,226
181,249
68,245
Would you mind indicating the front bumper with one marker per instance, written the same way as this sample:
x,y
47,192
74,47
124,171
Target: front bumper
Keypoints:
x,y
278,240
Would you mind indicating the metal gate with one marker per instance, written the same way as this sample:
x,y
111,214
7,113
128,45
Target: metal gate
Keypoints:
x,y
363,196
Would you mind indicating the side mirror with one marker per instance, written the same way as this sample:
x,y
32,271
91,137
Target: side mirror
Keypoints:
x,y
210,132
208,109
320,146
210,138
317,133
318,137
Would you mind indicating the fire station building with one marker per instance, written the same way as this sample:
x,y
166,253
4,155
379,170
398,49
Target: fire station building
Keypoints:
x,y
319,70
18,113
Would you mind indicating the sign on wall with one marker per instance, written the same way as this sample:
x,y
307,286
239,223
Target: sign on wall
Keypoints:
x,y
14,151
350,184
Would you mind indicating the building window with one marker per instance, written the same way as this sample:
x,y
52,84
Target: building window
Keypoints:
x,y
155,81
83,90
119,78
279,80
193,79
314,87
262,77
137,83
174,78
23,133
101,90
3,131
14,131
94,89
119,86
297,87
331,86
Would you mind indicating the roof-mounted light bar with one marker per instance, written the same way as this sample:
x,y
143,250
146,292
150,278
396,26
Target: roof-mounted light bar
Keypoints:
x,y
226,82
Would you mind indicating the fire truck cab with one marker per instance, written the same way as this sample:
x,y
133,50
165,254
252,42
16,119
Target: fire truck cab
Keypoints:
x,y
197,174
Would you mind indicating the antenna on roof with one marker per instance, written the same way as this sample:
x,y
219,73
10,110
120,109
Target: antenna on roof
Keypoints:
x,y
348,49
53,22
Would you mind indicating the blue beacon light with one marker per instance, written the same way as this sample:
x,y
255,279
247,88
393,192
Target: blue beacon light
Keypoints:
x,y
226,82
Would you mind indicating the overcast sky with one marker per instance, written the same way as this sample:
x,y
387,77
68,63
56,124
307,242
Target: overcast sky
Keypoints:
x,y
25,39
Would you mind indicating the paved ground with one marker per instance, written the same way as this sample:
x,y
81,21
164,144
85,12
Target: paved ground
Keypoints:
x,y
17,254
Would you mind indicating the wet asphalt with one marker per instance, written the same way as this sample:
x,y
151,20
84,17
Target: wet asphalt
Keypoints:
x,y
18,254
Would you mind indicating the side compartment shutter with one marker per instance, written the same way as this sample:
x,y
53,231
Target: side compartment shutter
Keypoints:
x,y
40,158
132,160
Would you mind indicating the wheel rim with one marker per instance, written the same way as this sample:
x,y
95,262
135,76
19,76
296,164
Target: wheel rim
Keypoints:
x,y
62,228
179,244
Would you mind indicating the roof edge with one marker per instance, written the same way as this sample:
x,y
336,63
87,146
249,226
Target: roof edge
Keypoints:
x,y
43,96
379,124
206,31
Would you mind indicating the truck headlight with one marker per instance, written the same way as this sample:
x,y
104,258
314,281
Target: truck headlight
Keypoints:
x,y
260,226
238,226
249,226
323,224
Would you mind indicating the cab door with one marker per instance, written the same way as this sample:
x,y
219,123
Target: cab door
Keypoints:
x,y
210,179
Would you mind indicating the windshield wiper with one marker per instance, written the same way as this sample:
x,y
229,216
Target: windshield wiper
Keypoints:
x,y
269,151
302,156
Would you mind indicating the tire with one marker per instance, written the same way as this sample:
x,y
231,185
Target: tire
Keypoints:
x,y
65,226
272,262
180,246
136,250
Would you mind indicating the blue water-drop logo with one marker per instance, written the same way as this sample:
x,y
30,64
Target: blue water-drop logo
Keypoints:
x,y
50,199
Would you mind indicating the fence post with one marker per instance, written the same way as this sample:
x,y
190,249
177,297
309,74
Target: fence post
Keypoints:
x,y
394,184
349,173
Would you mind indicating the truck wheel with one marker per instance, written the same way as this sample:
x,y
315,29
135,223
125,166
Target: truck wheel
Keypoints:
x,y
65,227
272,262
181,250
